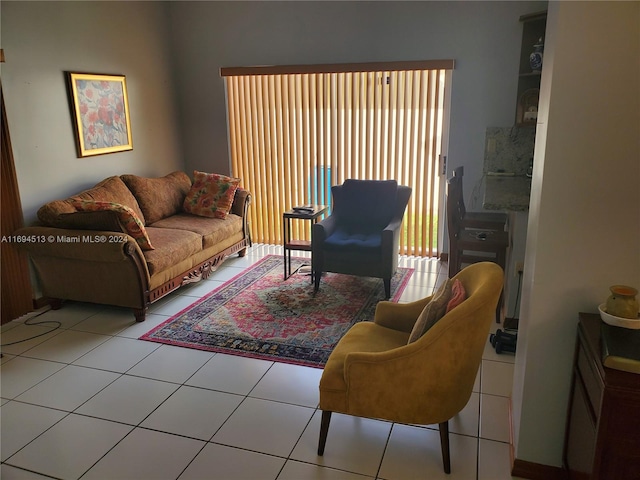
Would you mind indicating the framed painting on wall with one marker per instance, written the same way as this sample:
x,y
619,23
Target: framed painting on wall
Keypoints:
x,y
101,113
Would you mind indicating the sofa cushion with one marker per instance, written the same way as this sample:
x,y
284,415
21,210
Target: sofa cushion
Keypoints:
x,y
112,189
127,217
211,195
159,197
212,230
432,312
171,247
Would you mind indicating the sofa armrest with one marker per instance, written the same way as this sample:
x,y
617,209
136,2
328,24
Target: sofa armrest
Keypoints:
x,y
241,202
87,265
240,207
91,245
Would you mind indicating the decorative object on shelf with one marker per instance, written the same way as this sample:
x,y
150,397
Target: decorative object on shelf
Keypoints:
x,y
535,59
101,113
528,107
622,302
614,321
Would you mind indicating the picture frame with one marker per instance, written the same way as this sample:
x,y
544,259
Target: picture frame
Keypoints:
x,y
101,116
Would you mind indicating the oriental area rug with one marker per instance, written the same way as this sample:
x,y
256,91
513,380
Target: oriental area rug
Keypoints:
x,y
258,314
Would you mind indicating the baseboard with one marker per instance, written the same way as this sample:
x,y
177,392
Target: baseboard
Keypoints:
x,y
537,471
530,470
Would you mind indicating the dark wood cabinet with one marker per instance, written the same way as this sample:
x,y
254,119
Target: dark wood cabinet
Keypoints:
x,y
602,440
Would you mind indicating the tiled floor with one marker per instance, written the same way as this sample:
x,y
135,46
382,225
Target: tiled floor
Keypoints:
x,y
88,400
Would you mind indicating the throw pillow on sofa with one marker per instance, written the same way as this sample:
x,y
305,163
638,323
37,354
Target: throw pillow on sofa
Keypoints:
x,y
128,218
159,197
60,213
211,195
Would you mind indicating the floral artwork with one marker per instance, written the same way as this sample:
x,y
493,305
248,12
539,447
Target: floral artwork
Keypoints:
x,y
101,112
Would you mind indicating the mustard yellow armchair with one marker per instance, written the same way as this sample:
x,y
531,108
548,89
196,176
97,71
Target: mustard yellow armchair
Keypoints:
x,y
373,372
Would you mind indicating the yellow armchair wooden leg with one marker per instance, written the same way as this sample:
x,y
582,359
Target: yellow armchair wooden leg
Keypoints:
x,y
324,429
444,444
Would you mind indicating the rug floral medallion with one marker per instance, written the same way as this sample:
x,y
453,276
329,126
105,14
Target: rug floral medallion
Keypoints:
x,y
260,315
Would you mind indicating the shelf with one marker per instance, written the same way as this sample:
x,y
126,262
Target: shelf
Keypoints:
x,y
531,74
533,29
298,245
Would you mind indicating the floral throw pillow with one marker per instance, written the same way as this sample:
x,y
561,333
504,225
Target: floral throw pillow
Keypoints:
x,y
211,195
128,218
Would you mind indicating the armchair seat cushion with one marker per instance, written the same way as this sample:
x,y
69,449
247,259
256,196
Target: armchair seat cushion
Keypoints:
x,y
343,240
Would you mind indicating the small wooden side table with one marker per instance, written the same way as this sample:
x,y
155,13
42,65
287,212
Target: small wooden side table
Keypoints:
x,y
292,244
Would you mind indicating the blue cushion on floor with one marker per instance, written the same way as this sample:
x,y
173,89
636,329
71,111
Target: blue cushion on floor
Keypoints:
x,y
343,240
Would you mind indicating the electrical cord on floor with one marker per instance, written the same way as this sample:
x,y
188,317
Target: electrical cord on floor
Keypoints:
x,y
29,322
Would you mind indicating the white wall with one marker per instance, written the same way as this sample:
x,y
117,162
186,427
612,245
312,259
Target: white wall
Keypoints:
x,y
43,39
483,37
584,220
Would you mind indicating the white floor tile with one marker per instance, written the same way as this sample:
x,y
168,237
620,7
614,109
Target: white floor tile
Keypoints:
x,y
264,426
467,422
66,450
117,354
146,455
108,321
494,418
68,388
137,329
497,378
21,423
193,412
6,357
494,460
415,452
427,280
199,289
70,313
230,373
20,374
67,346
22,337
259,416
297,471
128,399
415,292
353,444
174,304
7,472
227,272
290,384
171,364
220,461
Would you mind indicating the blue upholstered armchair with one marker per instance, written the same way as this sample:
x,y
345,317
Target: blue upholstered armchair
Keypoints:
x,y
362,234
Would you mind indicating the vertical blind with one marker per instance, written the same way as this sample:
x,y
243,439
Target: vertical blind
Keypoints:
x,y
295,131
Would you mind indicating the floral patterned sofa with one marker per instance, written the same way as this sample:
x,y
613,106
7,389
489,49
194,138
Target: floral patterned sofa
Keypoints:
x,y
130,240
